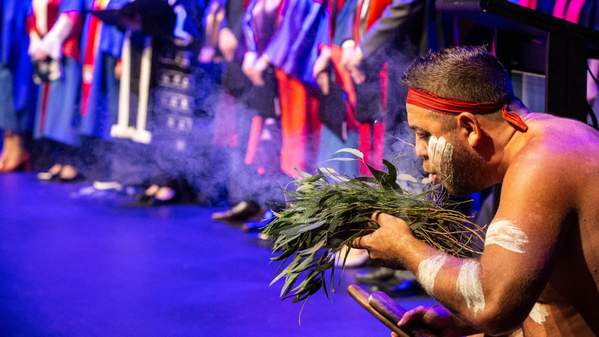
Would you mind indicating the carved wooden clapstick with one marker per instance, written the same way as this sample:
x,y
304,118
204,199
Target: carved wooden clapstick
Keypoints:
x,y
380,306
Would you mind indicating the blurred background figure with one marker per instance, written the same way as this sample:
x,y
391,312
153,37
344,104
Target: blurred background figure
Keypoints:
x,y
17,92
162,109
54,31
100,53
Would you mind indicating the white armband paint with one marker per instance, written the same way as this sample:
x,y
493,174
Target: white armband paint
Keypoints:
x,y
427,272
505,234
469,286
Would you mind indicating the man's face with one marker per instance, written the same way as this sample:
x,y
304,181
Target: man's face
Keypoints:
x,y
446,154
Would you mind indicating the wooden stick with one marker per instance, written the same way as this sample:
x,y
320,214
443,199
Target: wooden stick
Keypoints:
x,y
384,309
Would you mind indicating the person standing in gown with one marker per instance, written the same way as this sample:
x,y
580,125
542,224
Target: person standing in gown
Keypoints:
x,y
17,92
54,29
101,46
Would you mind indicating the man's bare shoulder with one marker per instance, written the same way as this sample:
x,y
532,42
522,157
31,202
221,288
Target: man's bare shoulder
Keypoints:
x,y
558,143
558,155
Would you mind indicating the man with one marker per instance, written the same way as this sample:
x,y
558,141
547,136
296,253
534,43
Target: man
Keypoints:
x,y
539,270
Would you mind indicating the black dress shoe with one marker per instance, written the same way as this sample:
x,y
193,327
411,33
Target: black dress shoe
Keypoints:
x,y
243,211
143,198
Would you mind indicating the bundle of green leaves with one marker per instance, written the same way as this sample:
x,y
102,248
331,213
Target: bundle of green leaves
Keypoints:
x,y
327,211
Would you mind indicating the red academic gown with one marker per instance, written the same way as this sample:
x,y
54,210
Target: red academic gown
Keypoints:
x,y
291,49
92,37
342,76
300,124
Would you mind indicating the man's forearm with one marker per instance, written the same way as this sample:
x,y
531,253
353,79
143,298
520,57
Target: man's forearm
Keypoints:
x,y
454,282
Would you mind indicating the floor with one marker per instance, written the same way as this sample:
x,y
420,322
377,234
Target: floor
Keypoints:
x,y
77,266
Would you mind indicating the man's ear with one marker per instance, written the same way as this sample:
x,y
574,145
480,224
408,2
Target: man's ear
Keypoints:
x,y
469,128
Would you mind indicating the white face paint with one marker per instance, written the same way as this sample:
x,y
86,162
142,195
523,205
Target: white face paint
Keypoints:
x,y
470,287
427,272
539,313
440,152
505,234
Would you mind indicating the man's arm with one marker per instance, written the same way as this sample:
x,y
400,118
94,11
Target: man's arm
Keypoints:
x,y
496,292
397,19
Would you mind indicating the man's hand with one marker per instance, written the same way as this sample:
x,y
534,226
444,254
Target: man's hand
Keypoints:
x,y
207,54
382,243
355,64
320,70
347,51
227,43
36,50
324,83
432,321
255,70
118,70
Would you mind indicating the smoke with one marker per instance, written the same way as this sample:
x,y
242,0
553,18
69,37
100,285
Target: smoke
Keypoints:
x,y
210,154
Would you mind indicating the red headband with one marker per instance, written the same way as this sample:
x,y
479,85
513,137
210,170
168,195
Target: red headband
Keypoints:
x,y
435,103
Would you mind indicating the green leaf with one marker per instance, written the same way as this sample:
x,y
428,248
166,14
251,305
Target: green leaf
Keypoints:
x,y
341,159
377,174
355,152
289,282
312,226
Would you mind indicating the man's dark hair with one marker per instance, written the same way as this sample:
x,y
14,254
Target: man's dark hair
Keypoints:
x,y
464,73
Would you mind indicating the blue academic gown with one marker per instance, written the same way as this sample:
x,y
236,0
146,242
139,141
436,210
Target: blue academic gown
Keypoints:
x,y
17,92
294,47
61,120
103,97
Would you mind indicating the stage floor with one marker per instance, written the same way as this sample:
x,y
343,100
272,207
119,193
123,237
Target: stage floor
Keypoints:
x,y
73,266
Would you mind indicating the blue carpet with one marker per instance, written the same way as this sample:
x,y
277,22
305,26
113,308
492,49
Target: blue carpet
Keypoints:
x,y
89,267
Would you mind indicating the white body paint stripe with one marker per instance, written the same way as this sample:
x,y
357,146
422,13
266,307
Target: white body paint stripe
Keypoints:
x,y
505,234
470,287
427,272
539,313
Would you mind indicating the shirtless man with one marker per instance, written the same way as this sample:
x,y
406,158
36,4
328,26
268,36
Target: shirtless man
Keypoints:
x,y
539,271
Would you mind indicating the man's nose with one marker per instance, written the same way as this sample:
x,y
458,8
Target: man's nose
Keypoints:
x,y
421,149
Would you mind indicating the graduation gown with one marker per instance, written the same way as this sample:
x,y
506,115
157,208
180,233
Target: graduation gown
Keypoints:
x,y
58,109
101,48
259,24
17,92
293,50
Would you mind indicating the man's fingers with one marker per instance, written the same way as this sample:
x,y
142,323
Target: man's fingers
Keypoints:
x,y
375,216
382,218
358,76
412,317
323,83
362,242
423,333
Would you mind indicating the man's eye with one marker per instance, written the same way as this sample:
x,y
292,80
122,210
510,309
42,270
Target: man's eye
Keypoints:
x,y
422,135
